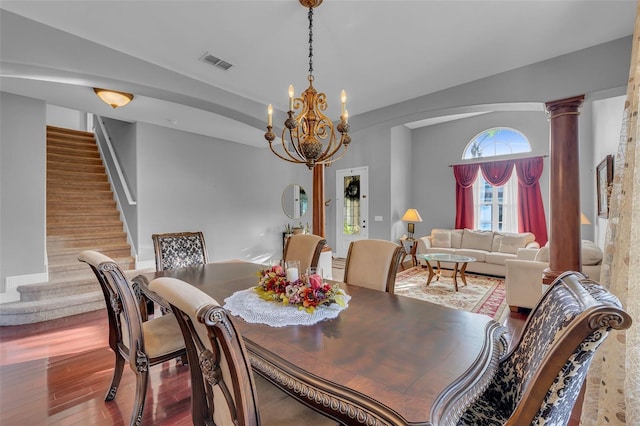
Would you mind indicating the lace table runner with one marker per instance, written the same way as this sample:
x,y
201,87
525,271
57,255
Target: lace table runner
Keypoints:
x,y
251,308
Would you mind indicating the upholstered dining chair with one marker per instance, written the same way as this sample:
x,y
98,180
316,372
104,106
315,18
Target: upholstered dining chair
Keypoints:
x,y
373,264
224,390
179,249
304,247
140,344
539,380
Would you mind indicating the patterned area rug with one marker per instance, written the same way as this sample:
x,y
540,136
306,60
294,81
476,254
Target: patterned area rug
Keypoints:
x,y
484,295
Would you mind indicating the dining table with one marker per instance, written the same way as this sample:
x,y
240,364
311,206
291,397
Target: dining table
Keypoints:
x,y
384,360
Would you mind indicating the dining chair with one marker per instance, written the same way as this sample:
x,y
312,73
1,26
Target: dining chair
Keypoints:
x,y
539,380
306,248
224,390
140,344
179,249
373,264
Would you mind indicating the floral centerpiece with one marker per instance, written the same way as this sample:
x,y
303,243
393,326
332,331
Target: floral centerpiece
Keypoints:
x,y
307,292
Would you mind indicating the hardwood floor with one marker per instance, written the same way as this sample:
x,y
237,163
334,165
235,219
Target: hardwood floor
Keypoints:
x,y
57,373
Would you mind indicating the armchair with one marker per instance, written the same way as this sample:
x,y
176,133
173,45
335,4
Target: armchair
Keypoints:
x,y
523,278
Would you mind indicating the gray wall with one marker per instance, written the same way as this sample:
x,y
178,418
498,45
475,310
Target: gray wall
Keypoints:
x,y
23,170
597,69
231,192
66,118
403,180
607,125
372,148
437,147
123,141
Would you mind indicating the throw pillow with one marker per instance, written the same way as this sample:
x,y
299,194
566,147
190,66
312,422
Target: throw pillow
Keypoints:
x,y
510,243
456,238
441,238
542,255
591,253
478,240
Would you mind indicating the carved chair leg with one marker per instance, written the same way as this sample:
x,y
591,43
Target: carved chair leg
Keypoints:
x,y
142,379
115,379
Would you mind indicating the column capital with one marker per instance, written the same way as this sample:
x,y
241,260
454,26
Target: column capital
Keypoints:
x,y
564,105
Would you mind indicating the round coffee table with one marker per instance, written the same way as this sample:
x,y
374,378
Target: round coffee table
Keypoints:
x,y
449,258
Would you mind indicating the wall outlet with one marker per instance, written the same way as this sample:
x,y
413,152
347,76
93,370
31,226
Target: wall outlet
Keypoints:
x,y
378,218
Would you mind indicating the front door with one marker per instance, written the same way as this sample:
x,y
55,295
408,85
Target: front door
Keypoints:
x,y
352,207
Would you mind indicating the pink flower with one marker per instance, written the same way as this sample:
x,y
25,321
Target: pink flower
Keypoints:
x,y
315,281
277,269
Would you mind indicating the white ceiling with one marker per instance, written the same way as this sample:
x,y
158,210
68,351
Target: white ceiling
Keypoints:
x,y
381,52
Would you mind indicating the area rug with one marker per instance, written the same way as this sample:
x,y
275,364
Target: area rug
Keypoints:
x,y
483,294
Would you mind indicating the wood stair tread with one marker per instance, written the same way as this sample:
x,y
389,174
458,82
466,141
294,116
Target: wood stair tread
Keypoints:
x,y
74,237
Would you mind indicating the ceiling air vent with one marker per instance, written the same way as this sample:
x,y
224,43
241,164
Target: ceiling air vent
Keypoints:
x,y
216,62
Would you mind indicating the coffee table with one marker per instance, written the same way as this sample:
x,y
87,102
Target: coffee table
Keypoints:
x,y
449,258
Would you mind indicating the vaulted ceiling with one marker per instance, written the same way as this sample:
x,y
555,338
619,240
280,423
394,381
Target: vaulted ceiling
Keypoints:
x,y
381,52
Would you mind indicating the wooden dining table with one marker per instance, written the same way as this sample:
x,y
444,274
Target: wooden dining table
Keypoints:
x,y
385,360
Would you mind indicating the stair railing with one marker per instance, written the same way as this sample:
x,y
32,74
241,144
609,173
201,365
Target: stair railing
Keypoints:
x,y
111,161
107,141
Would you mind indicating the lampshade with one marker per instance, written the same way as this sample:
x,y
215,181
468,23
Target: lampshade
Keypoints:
x,y
113,98
411,215
584,220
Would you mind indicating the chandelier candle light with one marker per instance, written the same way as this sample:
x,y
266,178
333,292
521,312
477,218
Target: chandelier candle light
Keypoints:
x,y
312,137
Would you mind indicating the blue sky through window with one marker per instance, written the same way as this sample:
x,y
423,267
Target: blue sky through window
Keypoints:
x,y
496,141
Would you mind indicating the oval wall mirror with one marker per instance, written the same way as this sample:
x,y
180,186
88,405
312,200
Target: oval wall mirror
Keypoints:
x,y
294,201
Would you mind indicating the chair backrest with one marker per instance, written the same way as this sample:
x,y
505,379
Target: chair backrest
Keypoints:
x,y
123,311
373,264
540,379
179,249
306,248
222,383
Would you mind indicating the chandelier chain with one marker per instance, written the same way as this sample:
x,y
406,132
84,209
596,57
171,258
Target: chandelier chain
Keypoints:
x,y
310,14
310,136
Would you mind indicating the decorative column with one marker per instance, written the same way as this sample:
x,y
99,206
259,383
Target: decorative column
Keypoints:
x,y
564,241
318,201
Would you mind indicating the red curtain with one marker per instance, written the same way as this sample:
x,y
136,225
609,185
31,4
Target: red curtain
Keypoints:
x,y
465,175
531,216
497,173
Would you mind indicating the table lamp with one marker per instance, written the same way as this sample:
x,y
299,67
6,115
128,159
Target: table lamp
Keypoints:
x,y
584,220
411,216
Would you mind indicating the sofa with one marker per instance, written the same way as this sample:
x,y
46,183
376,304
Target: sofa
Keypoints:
x,y
523,280
490,249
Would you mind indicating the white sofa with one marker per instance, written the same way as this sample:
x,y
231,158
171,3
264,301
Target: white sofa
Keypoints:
x,y
523,279
490,249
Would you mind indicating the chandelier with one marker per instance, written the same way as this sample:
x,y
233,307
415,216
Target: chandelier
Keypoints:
x,y
310,137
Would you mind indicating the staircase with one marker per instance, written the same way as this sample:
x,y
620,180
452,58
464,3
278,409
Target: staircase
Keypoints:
x,y
81,214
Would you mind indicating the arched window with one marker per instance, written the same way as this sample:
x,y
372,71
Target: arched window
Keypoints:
x,y
496,206
496,141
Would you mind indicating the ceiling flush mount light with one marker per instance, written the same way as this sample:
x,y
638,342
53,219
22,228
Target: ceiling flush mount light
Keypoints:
x,y
311,135
113,98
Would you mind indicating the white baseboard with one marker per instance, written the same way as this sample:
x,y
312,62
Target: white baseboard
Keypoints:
x,y
11,285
